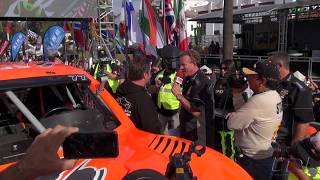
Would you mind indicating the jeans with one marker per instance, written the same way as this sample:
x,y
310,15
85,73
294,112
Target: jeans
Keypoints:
x,y
259,169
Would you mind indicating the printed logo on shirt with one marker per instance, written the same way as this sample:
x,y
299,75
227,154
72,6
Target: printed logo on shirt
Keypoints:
x,y
219,92
125,104
279,108
283,93
279,118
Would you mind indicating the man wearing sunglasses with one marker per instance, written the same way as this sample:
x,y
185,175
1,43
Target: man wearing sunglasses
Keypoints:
x,y
256,122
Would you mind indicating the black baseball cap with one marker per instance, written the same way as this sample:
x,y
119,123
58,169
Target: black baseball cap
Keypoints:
x,y
265,69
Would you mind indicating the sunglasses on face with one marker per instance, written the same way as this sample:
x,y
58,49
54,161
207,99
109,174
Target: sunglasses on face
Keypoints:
x,y
224,68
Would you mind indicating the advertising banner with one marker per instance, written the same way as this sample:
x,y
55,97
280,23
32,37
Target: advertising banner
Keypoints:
x,y
4,47
52,40
49,8
16,43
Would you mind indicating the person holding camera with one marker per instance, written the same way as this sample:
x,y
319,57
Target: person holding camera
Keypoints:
x,y
167,103
196,99
41,158
257,121
230,80
222,89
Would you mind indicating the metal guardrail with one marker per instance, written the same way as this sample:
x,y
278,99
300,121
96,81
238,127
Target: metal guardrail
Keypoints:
x,y
310,66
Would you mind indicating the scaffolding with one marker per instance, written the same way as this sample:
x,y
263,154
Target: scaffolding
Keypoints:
x,y
105,27
283,30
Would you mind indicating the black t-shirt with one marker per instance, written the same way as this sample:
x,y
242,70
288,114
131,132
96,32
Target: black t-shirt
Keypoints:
x,y
223,95
297,106
138,105
198,90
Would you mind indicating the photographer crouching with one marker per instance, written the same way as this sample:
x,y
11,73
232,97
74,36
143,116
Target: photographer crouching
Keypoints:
x,y
304,157
256,122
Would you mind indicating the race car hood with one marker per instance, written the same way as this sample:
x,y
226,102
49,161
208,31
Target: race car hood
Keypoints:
x,y
152,152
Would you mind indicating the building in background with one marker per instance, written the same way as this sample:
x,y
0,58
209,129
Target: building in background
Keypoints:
x,y
213,31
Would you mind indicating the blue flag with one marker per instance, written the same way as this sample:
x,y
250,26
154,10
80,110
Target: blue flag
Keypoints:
x,y
52,40
16,43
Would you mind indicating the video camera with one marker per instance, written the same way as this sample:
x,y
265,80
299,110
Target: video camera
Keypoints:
x,y
305,150
179,167
170,57
237,80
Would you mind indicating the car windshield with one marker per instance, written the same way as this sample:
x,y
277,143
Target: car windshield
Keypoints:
x,y
46,101
69,104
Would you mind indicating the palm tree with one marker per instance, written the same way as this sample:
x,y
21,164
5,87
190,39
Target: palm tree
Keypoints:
x,y
228,30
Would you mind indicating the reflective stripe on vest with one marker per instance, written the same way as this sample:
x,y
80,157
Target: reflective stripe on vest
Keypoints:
x,y
96,70
112,83
313,172
165,97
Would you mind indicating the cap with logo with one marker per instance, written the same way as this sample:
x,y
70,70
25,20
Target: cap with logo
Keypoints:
x,y
265,69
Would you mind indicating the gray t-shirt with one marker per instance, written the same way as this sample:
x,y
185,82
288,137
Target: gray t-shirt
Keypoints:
x,y
256,124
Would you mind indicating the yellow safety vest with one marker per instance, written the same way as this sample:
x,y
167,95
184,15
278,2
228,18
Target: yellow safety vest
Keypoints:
x,y
314,176
165,97
96,70
112,83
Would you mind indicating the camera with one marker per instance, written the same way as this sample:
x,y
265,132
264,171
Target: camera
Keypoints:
x,y
303,150
282,151
237,80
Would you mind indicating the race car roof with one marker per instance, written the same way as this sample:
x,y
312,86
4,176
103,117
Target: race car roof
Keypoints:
x,y
22,75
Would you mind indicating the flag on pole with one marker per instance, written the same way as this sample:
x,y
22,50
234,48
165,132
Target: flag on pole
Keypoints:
x,y
134,30
78,35
66,26
8,27
170,20
183,38
160,35
4,47
148,22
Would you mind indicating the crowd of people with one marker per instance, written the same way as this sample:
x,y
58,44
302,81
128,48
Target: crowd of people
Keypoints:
x,y
240,112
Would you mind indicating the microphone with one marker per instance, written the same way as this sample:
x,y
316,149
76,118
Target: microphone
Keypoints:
x,y
179,77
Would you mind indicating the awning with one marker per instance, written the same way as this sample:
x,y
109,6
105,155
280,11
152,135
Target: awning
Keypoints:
x,y
217,16
299,4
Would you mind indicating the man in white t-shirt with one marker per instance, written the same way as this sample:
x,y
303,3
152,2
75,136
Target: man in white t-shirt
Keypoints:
x,y
257,121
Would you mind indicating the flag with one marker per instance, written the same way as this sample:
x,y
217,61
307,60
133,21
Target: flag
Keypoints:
x,y
4,47
148,22
135,33
120,44
160,35
31,34
170,20
66,26
183,38
78,35
8,27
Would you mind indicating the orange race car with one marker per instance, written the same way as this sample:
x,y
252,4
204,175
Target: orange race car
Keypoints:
x,y
48,94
